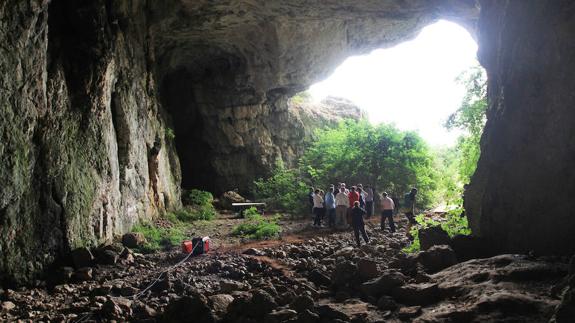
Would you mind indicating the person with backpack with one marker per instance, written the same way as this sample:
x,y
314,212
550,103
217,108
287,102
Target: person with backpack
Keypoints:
x,y
409,208
387,207
317,208
357,223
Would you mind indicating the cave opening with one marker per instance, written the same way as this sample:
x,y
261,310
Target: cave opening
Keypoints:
x,y
416,84
187,130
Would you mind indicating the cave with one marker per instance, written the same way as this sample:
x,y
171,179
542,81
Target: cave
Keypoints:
x,y
188,130
216,77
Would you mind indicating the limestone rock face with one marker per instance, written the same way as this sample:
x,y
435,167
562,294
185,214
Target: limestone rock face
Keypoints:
x,y
521,196
83,153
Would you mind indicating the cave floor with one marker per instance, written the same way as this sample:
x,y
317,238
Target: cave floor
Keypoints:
x,y
309,275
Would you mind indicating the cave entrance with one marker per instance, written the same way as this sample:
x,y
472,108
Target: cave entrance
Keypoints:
x,y
433,85
413,84
187,130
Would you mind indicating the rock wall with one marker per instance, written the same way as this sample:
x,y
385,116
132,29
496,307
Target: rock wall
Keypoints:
x,y
521,196
83,151
226,148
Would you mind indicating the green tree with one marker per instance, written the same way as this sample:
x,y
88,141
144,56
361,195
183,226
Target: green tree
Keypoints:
x,y
470,117
358,152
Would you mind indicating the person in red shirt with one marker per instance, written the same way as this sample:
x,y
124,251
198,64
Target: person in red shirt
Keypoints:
x,y
353,197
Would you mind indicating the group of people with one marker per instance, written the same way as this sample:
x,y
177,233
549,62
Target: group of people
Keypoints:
x,y
347,207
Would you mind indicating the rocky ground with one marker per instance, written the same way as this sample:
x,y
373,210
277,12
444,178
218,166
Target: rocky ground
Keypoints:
x,y
313,275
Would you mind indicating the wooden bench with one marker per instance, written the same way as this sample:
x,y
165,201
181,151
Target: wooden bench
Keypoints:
x,y
241,207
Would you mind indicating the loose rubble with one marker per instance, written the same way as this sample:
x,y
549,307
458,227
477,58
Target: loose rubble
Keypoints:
x,y
323,278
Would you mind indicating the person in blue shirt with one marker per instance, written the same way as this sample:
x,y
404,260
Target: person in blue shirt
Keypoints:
x,y
330,207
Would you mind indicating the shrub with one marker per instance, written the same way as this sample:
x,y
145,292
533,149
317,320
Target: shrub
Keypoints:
x,y
255,226
283,190
159,238
197,197
198,206
189,214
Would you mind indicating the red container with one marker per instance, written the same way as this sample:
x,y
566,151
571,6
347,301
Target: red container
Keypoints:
x,y
187,246
197,245
206,241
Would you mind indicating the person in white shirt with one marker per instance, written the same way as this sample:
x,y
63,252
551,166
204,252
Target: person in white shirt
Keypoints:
x,y
317,208
342,188
341,206
387,207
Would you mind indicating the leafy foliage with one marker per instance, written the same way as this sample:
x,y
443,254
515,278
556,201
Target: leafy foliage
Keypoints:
x,y
160,238
453,224
170,134
283,190
255,226
382,155
198,206
470,117
197,197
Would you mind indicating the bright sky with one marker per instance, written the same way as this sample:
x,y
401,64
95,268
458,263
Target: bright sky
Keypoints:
x,y
412,84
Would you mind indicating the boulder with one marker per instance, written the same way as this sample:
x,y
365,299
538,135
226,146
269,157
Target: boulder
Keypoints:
x,y
331,313
432,236
220,302
417,294
367,269
111,310
133,239
262,303
189,308
83,274
384,284
307,316
470,247
107,257
229,197
228,286
386,303
82,257
319,278
302,303
62,275
437,258
406,313
344,273
144,312
280,315
8,306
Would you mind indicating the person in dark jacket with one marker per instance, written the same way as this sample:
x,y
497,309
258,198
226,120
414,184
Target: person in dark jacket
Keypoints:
x,y
357,214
